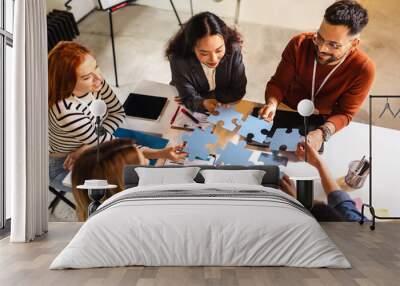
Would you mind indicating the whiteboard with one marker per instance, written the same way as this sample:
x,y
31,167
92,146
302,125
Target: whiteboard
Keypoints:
x,y
106,4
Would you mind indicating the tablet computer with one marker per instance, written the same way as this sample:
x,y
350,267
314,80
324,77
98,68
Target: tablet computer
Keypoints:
x,y
144,106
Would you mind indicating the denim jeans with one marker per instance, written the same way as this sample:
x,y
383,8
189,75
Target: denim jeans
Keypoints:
x,y
57,173
342,202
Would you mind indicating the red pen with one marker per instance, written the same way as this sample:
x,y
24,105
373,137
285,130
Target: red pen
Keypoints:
x,y
187,113
175,114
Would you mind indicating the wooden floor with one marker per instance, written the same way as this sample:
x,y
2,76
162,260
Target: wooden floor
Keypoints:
x,y
375,256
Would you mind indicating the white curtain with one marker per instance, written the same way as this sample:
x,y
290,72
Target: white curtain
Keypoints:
x,y
26,123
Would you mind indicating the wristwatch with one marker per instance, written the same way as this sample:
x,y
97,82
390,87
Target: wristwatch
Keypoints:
x,y
326,132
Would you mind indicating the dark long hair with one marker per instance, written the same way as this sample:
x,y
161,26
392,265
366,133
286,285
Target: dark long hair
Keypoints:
x,y
113,158
182,44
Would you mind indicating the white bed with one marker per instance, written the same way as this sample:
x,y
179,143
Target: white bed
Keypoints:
x,y
203,225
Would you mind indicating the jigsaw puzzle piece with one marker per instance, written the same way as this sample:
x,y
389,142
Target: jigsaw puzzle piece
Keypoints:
x,y
273,159
285,139
197,141
235,154
254,129
226,115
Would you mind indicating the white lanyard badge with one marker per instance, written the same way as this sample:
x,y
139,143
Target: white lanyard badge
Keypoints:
x,y
313,93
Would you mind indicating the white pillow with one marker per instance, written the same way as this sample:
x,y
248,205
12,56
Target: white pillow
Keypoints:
x,y
248,177
166,176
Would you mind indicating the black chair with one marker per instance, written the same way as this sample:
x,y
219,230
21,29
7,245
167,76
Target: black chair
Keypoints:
x,y
61,26
60,196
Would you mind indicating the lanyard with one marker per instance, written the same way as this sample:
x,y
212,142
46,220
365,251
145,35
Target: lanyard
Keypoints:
x,y
313,93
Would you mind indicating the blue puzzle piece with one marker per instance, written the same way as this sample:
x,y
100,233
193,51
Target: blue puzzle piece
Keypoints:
x,y
226,115
196,143
253,126
273,159
283,141
234,154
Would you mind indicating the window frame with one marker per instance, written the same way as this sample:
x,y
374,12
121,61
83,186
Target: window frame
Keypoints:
x,y
6,39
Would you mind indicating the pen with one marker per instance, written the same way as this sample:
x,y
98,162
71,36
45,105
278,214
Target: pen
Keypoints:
x,y
360,165
187,113
364,168
182,128
175,114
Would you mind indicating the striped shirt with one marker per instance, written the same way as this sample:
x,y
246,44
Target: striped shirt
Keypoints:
x,y
71,123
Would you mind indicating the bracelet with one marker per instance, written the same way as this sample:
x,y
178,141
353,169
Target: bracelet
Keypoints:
x,y
326,132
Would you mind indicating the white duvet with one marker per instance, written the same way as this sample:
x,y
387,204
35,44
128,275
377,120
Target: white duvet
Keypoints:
x,y
207,230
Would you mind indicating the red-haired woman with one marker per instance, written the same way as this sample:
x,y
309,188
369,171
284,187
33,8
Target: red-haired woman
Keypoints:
x,y
74,82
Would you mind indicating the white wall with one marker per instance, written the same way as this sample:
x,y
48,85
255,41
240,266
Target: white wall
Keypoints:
x,y
79,7
293,14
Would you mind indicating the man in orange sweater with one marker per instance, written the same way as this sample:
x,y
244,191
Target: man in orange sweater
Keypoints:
x,y
326,67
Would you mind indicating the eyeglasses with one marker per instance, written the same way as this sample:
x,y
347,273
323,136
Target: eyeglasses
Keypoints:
x,y
333,46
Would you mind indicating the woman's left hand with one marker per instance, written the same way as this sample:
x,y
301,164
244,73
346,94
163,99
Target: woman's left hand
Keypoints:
x,y
175,153
178,99
228,105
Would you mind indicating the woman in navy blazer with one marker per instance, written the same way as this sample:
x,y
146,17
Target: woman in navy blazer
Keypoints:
x,y
206,64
